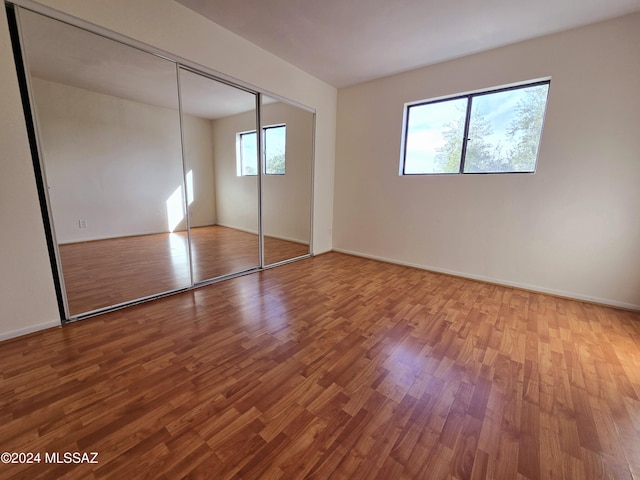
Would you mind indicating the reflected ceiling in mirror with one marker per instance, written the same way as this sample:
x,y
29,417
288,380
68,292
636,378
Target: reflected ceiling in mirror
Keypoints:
x,y
65,54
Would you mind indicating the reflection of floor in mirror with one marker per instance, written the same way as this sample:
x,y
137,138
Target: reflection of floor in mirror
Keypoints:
x,y
220,251
278,250
101,273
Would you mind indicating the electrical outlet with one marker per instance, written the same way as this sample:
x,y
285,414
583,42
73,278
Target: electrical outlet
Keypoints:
x,y
82,223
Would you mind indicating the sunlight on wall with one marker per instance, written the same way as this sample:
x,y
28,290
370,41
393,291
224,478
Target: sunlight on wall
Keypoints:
x,y
175,209
175,203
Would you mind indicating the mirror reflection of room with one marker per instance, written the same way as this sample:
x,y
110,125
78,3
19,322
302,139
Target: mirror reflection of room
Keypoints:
x,y
154,177
109,132
286,186
223,206
224,219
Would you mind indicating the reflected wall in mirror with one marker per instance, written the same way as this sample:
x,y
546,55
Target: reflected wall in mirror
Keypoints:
x,y
287,180
223,202
109,132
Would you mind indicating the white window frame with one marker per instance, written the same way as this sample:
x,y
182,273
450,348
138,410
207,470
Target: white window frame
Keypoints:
x,y
240,151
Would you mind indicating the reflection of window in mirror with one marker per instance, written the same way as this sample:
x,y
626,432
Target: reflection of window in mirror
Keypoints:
x,y
274,149
247,153
274,138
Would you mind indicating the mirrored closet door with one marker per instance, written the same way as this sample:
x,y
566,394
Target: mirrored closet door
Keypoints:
x,y
157,177
221,158
109,131
287,161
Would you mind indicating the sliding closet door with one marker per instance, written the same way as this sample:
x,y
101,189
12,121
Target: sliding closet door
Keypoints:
x,y
287,133
221,152
109,132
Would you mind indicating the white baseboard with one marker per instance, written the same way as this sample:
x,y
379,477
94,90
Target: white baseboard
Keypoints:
x,y
27,330
111,237
254,232
288,239
506,283
245,230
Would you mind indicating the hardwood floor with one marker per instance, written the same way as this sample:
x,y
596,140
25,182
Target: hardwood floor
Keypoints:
x,y
332,367
102,273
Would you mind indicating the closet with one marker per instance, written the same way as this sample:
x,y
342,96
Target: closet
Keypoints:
x,y
156,175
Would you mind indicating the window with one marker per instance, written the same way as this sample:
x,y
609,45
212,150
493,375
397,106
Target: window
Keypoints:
x,y
274,138
274,147
248,154
495,131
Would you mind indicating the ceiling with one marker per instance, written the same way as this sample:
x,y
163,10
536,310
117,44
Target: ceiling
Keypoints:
x,y
345,42
61,53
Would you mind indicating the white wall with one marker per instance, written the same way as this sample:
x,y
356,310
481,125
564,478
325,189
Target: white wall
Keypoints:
x,y
27,299
115,163
27,296
110,161
572,228
286,198
198,154
236,196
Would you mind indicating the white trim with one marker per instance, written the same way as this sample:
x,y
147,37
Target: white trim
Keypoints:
x,y
226,225
279,237
288,239
114,237
25,331
497,281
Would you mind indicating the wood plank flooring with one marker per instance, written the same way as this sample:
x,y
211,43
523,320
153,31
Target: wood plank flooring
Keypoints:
x,y
107,272
334,367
